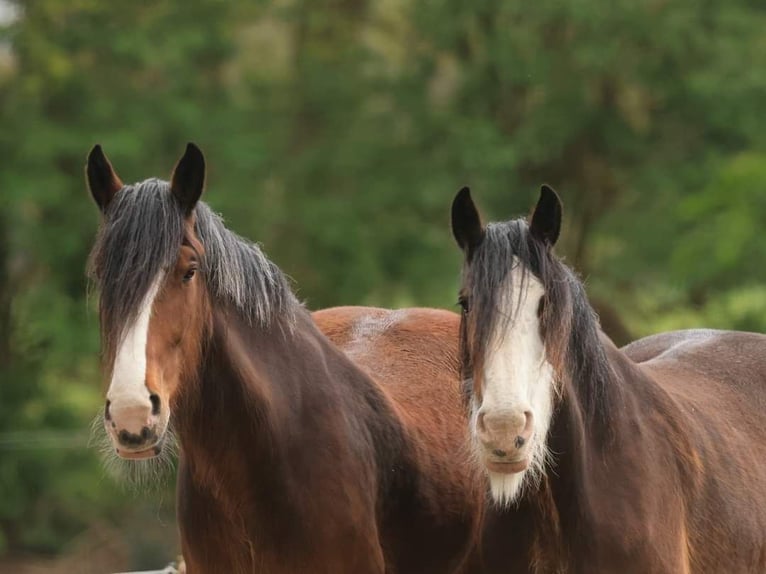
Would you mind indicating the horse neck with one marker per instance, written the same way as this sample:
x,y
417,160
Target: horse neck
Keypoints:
x,y
277,413
598,423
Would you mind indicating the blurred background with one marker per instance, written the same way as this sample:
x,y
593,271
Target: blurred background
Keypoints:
x,y
337,133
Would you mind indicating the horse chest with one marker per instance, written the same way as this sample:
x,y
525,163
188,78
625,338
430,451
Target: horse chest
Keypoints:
x,y
220,534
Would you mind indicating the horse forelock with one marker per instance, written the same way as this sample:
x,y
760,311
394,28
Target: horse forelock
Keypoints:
x,y
487,278
139,238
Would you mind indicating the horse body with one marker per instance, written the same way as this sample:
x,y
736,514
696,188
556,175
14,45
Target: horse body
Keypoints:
x,y
715,386
675,482
412,355
333,475
293,458
654,452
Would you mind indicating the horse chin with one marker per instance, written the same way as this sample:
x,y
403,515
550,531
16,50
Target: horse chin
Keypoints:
x,y
144,470
140,455
508,467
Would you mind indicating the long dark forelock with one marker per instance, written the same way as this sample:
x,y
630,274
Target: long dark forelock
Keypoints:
x,y
487,278
140,237
569,324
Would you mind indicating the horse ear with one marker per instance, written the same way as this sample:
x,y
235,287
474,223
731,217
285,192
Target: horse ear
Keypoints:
x,y
546,219
102,181
188,178
466,221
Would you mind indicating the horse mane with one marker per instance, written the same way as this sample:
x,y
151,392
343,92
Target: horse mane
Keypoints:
x,y
139,238
570,326
238,271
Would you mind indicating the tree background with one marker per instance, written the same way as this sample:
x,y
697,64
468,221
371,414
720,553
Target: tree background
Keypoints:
x,y
337,133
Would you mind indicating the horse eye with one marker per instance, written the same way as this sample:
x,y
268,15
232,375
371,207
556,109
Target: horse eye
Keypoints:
x,y
189,274
463,302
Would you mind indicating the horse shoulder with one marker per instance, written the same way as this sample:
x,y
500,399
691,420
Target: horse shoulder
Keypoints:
x,y
711,385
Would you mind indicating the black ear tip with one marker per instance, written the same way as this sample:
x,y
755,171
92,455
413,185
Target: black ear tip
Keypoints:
x,y
546,217
547,191
188,179
193,149
463,196
96,153
466,221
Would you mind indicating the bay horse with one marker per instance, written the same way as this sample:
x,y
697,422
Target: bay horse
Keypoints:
x,y
293,457
647,459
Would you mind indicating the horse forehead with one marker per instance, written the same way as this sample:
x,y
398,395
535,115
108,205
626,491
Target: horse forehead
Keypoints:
x,y
144,306
525,286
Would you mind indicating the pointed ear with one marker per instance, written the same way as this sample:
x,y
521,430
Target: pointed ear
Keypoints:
x,y
466,221
546,219
188,178
102,181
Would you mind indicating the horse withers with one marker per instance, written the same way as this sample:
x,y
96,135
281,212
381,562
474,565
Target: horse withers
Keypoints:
x,y
644,459
293,457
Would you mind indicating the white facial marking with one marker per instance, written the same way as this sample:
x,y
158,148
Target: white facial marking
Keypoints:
x,y
127,390
518,378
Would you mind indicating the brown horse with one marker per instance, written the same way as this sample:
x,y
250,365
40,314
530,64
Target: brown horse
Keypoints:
x,y
646,459
293,458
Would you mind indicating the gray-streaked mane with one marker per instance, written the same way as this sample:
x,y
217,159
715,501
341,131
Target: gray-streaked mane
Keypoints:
x,y
237,271
140,237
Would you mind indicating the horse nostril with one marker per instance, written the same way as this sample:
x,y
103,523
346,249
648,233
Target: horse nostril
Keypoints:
x,y
107,416
155,399
498,452
480,424
526,433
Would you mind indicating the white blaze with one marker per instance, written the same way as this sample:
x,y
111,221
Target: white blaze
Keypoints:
x,y
128,390
518,378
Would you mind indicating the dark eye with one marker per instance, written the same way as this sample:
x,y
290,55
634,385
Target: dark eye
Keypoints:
x,y
189,274
463,302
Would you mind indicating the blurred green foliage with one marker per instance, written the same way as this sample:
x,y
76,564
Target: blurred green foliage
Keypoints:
x,y
337,133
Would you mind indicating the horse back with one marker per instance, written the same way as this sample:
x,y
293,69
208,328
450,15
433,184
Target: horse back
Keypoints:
x,y
412,354
716,385
727,368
